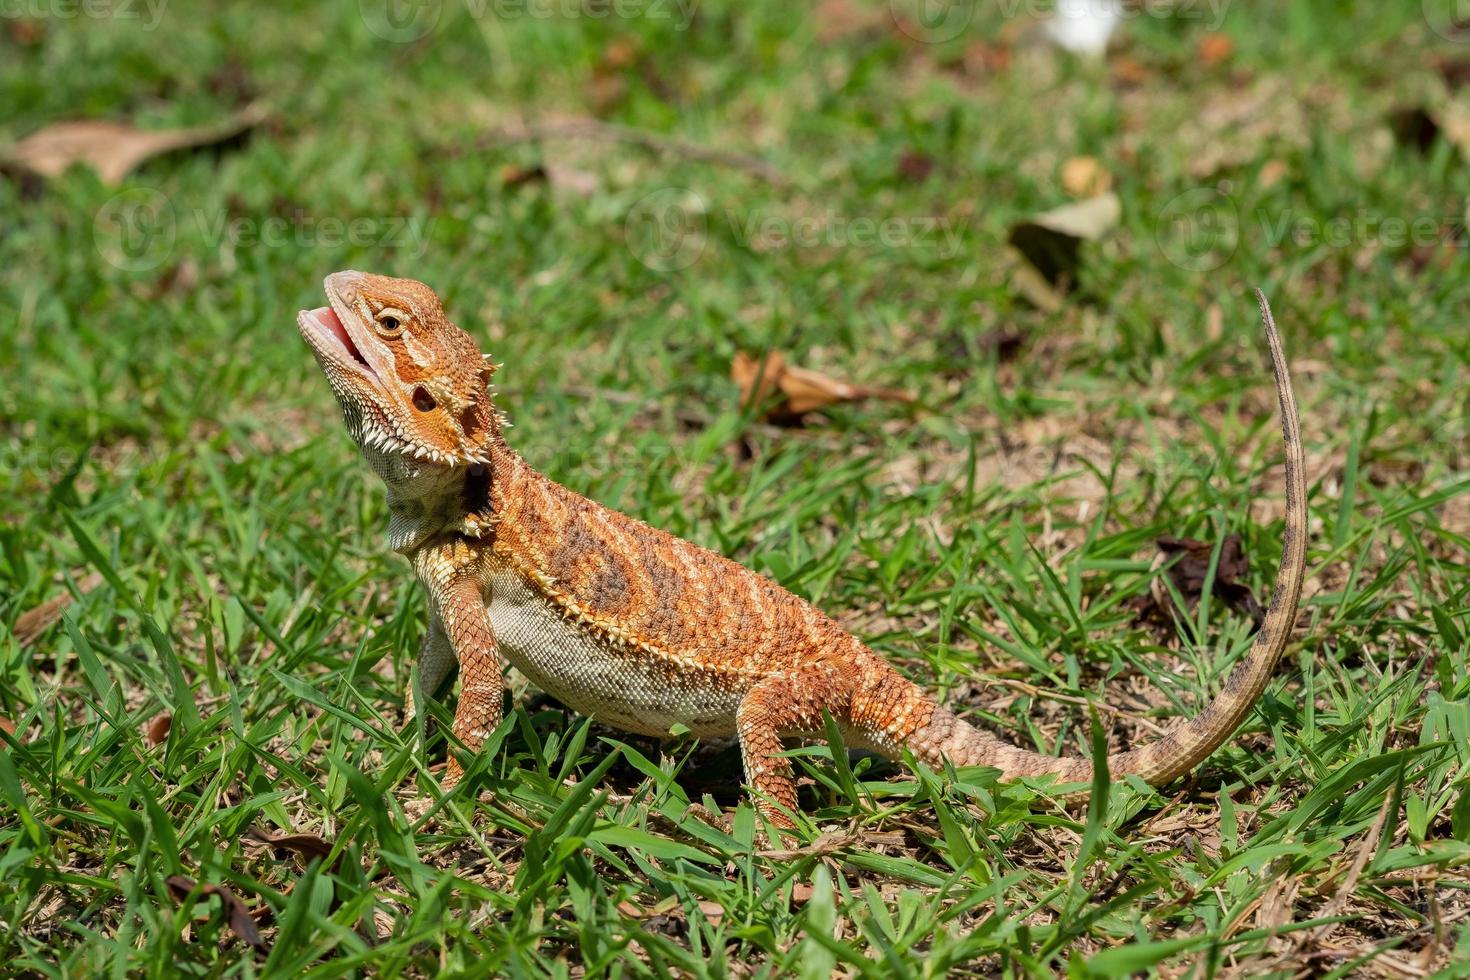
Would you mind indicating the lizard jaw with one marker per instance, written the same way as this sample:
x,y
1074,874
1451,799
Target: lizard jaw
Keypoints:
x,y
329,340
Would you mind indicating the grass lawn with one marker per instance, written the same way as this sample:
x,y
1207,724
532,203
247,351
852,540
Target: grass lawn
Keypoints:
x,y
205,644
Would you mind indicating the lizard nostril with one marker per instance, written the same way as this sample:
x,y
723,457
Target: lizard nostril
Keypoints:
x,y
422,400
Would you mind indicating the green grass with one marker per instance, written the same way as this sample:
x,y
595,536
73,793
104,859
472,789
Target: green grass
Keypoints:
x,y
168,441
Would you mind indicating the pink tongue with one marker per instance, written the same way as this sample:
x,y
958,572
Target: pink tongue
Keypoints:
x,y
328,317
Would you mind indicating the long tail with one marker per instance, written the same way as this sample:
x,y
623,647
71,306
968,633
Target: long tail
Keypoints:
x,y
946,736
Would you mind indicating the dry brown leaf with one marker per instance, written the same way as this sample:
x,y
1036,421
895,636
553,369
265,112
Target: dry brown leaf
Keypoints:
x,y
561,178
1129,72
1085,177
1050,244
839,20
1191,564
712,911
914,166
800,390
24,32
986,57
237,915
113,149
822,846
1214,48
7,725
1271,173
1414,126
159,727
304,846
33,622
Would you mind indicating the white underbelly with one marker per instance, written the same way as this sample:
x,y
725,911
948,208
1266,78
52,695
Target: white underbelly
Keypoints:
x,y
636,692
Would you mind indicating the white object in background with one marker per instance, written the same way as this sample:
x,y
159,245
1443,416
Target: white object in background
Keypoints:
x,y
1084,26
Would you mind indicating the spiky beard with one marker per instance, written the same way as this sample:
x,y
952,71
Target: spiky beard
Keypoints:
x,y
374,430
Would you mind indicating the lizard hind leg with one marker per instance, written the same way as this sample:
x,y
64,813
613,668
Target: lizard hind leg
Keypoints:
x,y
783,705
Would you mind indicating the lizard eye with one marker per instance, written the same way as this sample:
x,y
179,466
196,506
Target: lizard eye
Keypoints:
x,y
422,400
389,322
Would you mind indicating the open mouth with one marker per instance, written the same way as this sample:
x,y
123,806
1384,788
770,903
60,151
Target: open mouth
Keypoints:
x,y
324,328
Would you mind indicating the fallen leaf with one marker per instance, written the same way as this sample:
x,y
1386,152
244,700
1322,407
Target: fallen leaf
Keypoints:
x,y
1455,72
1051,245
800,390
1271,173
839,20
1214,48
1004,342
801,893
24,32
568,179
987,58
1189,565
1129,72
959,350
915,166
33,622
562,178
159,727
237,915
713,912
113,149
1085,177
304,846
1414,126
826,844
7,725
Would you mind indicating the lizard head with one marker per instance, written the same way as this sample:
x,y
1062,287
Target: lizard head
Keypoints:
x,y
409,381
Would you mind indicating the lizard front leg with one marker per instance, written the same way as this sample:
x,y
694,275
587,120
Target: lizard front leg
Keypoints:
x,y
458,607
436,660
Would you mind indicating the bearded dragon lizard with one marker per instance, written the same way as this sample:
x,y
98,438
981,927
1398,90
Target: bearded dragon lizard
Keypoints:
x,y
643,630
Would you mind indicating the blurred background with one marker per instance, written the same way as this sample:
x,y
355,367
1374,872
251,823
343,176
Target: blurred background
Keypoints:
x,y
991,259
